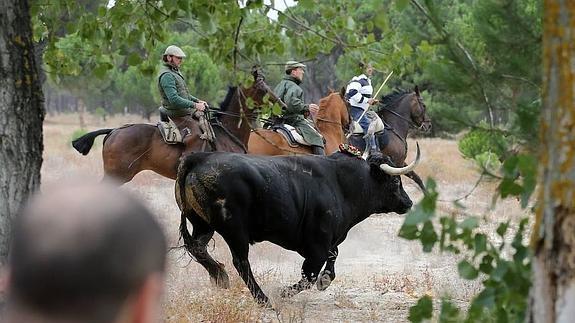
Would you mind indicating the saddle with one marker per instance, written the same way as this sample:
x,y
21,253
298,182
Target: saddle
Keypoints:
x,y
172,134
292,136
376,124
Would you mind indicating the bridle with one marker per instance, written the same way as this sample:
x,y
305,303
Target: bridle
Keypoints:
x,y
241,115
409,121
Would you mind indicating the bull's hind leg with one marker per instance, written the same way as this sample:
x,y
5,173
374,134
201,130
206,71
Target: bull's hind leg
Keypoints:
x,y
328,274
196,244
240,250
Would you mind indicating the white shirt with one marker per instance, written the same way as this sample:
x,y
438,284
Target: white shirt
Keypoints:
x,y
359,91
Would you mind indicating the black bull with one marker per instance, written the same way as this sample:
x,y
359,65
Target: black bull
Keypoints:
x,y
303,203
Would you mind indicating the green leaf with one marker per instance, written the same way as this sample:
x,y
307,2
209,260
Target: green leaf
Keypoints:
x,y
401,4
499,271
380,21
485,299
466,270
428,236
184,5
508,187
449,313
134,59
422,310
416,216
486,264
502,229
306,4
100,70
409,232
480,243
469,223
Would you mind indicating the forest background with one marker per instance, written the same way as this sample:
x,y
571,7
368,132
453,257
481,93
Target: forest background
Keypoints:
x,y
478,64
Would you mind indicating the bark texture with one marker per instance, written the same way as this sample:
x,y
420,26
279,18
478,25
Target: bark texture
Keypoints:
x,y
21,115
552,294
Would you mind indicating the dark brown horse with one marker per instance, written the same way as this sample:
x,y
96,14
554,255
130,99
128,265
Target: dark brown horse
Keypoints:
x,y
331,120
400,110
130,149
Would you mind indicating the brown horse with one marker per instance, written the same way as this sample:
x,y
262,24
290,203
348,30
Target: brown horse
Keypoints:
x,y
331,120
130,149
400,110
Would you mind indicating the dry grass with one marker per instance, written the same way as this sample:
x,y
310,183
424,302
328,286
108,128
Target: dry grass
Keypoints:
x,y
379,276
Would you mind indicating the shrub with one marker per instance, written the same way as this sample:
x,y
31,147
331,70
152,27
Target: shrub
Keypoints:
x,y
479,141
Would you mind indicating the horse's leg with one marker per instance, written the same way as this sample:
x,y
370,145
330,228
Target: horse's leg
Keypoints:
x,y
196,244
328,274
417,180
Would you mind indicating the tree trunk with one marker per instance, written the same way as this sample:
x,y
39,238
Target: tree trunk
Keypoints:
x,y
21,115
553,240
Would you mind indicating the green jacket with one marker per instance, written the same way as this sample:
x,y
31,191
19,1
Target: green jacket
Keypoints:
x,y
291,94
175,96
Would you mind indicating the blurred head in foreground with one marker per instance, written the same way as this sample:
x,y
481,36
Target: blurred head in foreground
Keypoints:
x,y
85,253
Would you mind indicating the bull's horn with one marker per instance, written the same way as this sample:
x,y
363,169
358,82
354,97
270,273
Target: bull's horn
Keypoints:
x,y
402,170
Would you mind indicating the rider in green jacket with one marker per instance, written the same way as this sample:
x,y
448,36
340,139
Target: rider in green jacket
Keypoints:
x,y
177,103
289,91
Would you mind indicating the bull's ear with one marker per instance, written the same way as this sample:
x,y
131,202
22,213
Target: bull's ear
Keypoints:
x,y
376,160
417,90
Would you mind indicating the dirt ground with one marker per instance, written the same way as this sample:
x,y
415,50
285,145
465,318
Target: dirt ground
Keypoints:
x,y
379,275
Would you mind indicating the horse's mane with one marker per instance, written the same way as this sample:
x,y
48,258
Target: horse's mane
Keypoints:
x,y
390,100
225,105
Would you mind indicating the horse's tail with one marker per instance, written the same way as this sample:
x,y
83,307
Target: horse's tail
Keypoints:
x,y
85,143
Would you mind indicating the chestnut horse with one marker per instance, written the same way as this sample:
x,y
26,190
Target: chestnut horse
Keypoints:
x,y
400,110
331,120
130,149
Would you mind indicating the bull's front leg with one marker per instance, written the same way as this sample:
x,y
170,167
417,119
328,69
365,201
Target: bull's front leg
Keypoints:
x,y
328,273
309,271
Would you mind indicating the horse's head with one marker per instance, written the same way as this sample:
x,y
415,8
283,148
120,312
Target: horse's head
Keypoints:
x,y
419,112
407,107
259,88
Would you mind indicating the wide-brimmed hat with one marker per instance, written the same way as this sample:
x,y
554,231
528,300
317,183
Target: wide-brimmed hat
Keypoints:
x,y
290,65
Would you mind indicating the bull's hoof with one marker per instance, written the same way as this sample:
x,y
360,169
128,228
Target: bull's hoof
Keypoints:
x,y
324,280
221,281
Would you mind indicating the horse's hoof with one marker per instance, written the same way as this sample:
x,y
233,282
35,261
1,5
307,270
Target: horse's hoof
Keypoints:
x,y
324,280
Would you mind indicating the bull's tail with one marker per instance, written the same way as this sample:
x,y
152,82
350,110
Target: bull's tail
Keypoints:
x,y
85,143
180,191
